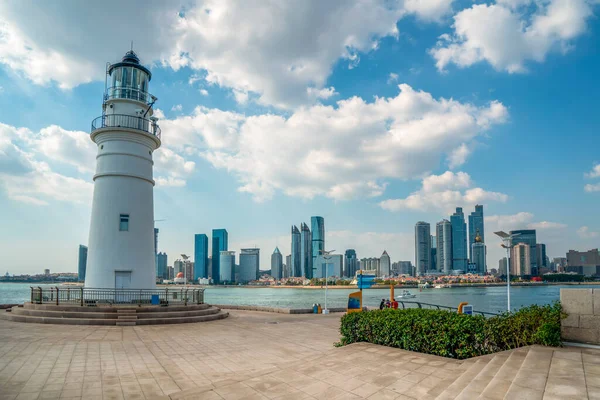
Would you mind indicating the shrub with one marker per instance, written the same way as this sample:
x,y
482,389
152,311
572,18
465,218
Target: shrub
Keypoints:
x,y
453,335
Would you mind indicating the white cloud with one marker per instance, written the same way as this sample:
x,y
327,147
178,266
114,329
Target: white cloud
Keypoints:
x,y
458,156
432,10
393,78
341,151
204,92
522,220
594,173
69,147
324,93
544,225
507,35
592,187
177,107
585,233
443,193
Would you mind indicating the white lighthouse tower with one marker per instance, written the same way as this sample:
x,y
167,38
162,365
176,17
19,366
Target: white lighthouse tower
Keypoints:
x,y
121,242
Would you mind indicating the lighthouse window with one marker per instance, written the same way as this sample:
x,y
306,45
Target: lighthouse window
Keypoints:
x,y
124,222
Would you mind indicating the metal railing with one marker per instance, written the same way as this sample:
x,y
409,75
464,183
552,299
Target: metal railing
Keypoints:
x,y
418,304
123,92
126,121
93,297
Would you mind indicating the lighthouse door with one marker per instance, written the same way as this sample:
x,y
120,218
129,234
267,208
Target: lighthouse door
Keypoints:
x,y
122,279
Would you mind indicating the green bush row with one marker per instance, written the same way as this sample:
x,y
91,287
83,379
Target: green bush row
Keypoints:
x,y
448,334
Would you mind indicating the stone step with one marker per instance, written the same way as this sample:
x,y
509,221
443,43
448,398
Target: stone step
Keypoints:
x,y
111,309
90,313
482,378
183,320
530,380
125,323
500,383
126,317
463,380
126,311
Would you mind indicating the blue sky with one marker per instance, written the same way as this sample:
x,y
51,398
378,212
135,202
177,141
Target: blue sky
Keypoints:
x,y
374,115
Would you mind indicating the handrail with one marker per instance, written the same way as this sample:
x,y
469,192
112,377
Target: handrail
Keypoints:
x,y
126,121
440,307
125,92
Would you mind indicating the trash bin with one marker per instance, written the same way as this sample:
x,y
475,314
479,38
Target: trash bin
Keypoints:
x,y
315,309
319,309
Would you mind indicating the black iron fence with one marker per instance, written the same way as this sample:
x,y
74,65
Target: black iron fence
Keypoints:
x,y
418,304
94,297
126,121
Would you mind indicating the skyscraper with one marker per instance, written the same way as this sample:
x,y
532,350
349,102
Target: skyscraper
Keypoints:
x,y
444,246
227,266
288,265
162,271
478,251
306,260
200,256
82,263
422,247
219,244
527,236
540,253
459,240
475,224
350,264
433,257
520,263
318,236
249,265
295,269
385,265
276,264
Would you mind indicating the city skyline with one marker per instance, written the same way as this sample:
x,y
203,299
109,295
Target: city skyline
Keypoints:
x,y
402,115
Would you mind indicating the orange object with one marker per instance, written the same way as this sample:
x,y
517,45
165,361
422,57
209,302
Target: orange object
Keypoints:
x,y
460,307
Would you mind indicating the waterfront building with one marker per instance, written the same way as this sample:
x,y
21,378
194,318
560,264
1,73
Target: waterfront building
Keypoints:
x,y
406,268
226,266
433,257
209,267
502,264
384,265
46,272
476,224
422,247
296,271
329,266
520,262
540,253
276,264
444,246
220,242
527,236
318,236
162,272
306,259
189,270
584,262
200,256
121,242
178,266
559,264
82,263
371,264
249,265
288,265
459,240
171,272
350,263
478,253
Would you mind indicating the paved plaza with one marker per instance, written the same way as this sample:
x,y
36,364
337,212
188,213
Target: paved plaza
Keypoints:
x,y
256,355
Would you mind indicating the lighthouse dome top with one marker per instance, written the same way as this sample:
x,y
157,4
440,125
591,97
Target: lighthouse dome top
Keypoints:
x,y
130,59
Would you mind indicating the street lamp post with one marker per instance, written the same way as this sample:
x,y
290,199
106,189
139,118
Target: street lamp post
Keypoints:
x,y
326,256
506,243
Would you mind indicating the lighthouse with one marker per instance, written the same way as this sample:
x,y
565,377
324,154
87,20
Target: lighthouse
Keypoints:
x,y
121,241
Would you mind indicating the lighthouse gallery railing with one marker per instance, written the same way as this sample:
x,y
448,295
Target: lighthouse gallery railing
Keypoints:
x,y
126,121
93,297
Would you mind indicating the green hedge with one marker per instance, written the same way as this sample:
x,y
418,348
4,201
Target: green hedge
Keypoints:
x,y
453,335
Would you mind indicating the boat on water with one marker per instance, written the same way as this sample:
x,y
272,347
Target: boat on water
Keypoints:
x,y
406,295
442,286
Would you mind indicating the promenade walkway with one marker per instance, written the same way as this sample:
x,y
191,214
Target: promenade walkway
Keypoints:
x,y
255,355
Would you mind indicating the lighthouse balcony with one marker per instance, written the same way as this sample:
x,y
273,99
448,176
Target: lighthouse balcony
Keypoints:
x,y
126,121
130,93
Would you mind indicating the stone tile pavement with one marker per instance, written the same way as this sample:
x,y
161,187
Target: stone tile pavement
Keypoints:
x,y
255,355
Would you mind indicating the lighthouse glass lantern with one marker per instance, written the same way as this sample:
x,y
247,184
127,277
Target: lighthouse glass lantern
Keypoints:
x,y
121,242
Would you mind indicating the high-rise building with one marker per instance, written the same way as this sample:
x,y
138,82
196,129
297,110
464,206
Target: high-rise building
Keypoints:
x,y
478,251
178,266
584,262
385,265
171,272
540,252
422,248
162,272
318,236
220,242
276,264
200,256
249,265
444,246
226,266
296,252
329,266
288,265
433,257
306,261
527,236
82,263
559,264
459,240
475,224
520,263
502,263
46,272
209,266
350,263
